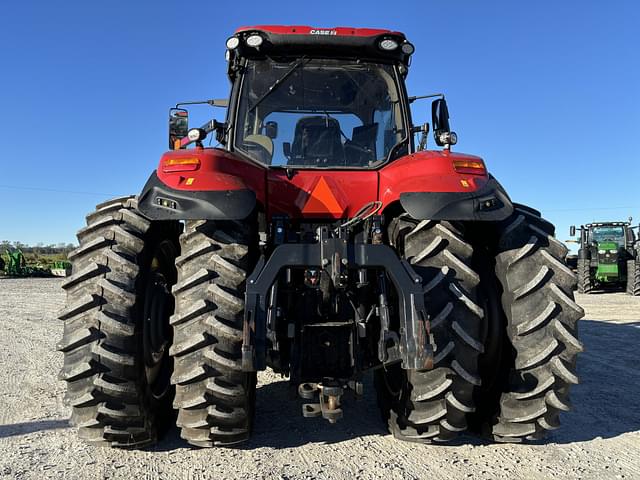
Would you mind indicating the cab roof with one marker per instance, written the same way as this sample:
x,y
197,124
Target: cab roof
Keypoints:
x,y
337,42
307,30
608,224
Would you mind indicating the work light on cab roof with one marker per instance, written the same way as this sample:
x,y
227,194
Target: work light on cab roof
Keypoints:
x,y
254,37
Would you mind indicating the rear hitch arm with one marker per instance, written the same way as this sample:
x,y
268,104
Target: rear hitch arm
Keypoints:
x,y
416,351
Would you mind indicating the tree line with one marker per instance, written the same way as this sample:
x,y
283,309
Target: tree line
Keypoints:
x,y
37,249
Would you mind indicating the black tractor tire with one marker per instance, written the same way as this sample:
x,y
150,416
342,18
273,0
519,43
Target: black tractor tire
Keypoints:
x,y
541,327
432,405
633,276
585,282
117,379
572,262
215,398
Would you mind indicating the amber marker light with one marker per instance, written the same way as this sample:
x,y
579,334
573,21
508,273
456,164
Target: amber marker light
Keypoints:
x,y
473,167
180,164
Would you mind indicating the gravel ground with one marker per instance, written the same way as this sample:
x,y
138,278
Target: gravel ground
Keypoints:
x,y
599,439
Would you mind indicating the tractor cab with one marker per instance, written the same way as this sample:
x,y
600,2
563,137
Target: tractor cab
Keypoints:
x,y
612,235
296,107
607,233
306,105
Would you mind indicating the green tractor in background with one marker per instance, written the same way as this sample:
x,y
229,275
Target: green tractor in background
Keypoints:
x,y
609,257
15,265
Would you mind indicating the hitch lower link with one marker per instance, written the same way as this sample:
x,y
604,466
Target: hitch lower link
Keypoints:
x,y
412,345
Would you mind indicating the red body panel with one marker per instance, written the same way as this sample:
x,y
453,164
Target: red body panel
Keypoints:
x,y
428,171
351,189
218,170
307,30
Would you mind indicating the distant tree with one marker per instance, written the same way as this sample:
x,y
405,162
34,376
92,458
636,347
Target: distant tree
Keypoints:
x,y
39,249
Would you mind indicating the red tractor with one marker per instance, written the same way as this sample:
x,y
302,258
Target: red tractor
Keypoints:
x,y
319,239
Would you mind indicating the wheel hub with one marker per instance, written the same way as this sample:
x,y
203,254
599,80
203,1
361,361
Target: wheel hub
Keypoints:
x,y
157,334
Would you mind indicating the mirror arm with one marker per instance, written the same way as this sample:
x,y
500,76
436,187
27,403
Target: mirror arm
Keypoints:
x,y
420,97
214,102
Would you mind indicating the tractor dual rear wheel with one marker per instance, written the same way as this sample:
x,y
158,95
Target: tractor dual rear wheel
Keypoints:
x,y
511,323
116,336
432,405
215,398
540,330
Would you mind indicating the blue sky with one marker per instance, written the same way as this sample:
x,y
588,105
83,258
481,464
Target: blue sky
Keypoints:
x,y
547,92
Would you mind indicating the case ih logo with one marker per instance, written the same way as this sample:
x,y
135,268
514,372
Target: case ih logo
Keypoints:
x,y
323,32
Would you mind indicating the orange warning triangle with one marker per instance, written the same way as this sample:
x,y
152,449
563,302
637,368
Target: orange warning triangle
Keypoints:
x,y
322,201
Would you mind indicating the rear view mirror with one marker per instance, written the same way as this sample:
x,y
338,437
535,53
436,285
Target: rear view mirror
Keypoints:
x,y
178,126
440,120
286,147
572,230
440,115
